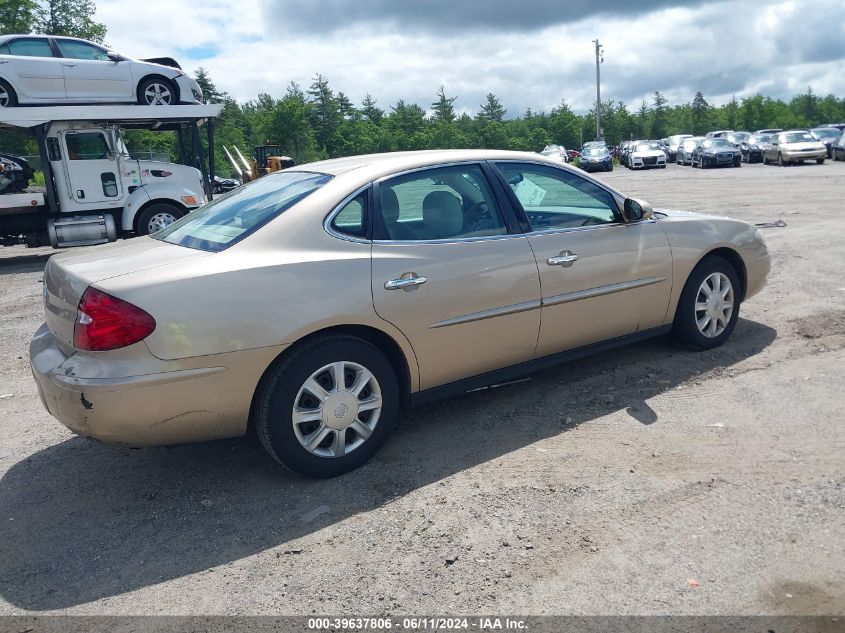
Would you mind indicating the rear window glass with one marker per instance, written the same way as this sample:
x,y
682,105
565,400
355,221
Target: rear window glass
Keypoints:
x,y
232,217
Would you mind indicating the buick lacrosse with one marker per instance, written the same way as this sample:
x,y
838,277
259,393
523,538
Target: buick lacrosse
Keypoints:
x,y
316,303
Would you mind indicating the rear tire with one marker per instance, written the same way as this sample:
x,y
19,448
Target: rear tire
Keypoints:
x,y
289,388
701,322
157,217
8,98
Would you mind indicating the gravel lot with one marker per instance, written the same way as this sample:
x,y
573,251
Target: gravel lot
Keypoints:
x,y
611,485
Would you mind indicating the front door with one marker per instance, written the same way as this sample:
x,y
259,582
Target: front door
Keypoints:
x,y
91,76
448,273
31,67
600,277
91,168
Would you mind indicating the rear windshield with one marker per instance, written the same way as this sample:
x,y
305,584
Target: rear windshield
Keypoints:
x,y
231,218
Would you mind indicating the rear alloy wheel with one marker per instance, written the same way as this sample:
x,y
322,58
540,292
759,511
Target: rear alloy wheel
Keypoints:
x,y
8,98
709,305
157,217
328,407
156,91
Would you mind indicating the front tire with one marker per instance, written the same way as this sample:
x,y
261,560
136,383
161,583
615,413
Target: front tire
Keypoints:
x,y
157,217
820,161
157,91
781,162
708,309
328,407
8,98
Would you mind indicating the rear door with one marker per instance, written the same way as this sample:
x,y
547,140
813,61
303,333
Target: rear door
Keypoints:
x,y
453,274
91,168
29,64
91,76
600,277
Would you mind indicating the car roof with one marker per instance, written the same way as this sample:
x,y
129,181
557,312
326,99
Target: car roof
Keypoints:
x,y
6,38
392,162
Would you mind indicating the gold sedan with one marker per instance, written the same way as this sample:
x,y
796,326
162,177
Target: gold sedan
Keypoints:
x,y
317,303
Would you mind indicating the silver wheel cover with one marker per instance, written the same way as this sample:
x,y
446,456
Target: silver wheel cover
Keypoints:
x,y
714,305
337,409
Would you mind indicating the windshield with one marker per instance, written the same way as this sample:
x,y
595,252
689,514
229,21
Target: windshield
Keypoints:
x,y
647,147
759,138
595,151
830,132
232,217
738,137
798,137
716,142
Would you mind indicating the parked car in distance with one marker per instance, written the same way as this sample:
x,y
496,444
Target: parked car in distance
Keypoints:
x,y
555,152
828,136
220,322
773,130
751,148
42,69
718,134
675,142
793,147
685,150
838,148
573,154
715,152
596,158
737,138
838,126
646,154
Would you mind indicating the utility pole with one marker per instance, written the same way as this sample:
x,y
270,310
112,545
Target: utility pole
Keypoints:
x,y
599,60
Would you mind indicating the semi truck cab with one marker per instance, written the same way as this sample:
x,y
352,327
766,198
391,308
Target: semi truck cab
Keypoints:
x,y
95,190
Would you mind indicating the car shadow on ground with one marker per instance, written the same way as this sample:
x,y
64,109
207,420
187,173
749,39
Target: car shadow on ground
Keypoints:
x,y
81,521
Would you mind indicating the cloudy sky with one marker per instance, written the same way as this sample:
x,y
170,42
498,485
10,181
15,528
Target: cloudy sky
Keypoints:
x,y
531,53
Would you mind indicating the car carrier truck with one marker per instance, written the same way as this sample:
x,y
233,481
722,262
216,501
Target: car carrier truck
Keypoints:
x,y
95,191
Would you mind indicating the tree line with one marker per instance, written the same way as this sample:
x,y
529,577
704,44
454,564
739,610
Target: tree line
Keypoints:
x,y
319,122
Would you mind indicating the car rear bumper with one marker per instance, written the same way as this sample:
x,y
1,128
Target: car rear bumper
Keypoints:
x,y
208,400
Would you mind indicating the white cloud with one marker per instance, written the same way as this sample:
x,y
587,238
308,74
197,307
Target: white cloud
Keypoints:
x,y
721,48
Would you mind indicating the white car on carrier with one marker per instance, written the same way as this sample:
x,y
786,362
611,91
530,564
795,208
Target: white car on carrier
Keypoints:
x,y
46,69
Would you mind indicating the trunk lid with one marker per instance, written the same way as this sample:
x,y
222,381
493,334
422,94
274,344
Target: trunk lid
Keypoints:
x,y
68,275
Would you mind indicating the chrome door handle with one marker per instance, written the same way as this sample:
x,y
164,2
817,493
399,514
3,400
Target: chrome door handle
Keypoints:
x,y
408,281
68,64
565,259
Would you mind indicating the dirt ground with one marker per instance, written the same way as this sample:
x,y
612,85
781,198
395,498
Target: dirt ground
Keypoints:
x,y
646,480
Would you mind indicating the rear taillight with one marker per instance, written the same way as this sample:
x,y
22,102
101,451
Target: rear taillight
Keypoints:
x,y
105,322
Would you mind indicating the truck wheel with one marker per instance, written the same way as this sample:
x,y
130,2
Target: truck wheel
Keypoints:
x,y
157,91
8,98
328,407
158,216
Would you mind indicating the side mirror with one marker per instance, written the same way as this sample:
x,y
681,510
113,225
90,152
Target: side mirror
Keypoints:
x,y
114,56
636,210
